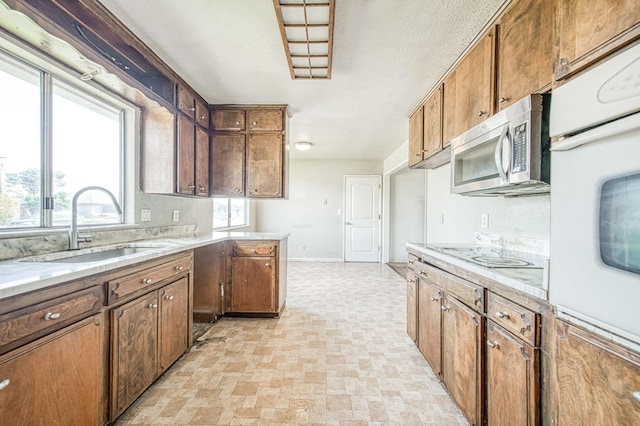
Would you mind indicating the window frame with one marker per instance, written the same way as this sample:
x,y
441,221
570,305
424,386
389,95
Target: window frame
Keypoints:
x,y
50,70
229,226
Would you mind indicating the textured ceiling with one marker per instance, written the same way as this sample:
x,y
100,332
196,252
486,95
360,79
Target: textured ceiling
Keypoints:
x,y
387,55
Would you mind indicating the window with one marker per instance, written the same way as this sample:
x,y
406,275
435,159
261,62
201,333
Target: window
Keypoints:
x,y
229,213
56,138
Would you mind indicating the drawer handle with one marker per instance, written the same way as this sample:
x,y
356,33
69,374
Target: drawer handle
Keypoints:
x,y
445,308
636,395
147,281
4,383
179,268
153,305
503,99
493,345
501,315
51,316
481,113
434,298
168,297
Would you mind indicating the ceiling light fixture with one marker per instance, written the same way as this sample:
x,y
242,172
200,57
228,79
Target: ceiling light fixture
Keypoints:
x,y
306,27
303,146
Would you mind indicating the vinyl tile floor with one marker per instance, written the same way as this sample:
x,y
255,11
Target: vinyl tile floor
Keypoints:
x,y
338,355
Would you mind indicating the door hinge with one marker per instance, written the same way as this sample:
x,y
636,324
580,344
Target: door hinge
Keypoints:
x,y
48,203
379,217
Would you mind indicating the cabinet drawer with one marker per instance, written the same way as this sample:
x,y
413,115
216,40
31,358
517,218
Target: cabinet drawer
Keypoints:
x,y
412,259
129,284
467,292
518,320
35,321
265,120
261,249
228,119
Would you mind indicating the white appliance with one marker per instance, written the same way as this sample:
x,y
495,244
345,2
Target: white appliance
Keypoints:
x,y
595,199
506,154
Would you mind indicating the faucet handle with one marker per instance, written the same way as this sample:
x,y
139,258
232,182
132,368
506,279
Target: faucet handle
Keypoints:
x,y
85,238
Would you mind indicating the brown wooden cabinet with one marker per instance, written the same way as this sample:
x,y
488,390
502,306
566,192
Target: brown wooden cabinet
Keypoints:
x,y
209,282
588,31
598,380
430,325
525,50
462,357
425,134
185,146
412,306
58,379
416,137
258,278
173,322
249,159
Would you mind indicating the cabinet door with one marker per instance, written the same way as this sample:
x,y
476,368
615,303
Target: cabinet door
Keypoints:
x,y
264,165
186,101
430,325
57,380
449,125
433,124
227,165
185,157
587,31
475,85
416,134
525,49
209,278
228,120
264,120
599,382
253,282
513,379
202,114
462,348
202,162
412,307
134,350
174,322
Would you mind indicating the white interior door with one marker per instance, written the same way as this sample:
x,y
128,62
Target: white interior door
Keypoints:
x,y
362,218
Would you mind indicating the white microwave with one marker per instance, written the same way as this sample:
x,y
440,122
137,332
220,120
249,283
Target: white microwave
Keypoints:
x,y
507,154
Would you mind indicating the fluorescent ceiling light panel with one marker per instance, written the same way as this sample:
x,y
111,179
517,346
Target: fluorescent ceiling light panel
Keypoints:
x,y
306,27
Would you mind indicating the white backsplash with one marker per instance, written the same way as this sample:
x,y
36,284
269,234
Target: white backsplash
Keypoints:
x,y
11,248
514,242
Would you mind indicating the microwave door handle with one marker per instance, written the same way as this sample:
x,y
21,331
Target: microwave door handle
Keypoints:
x,y
497,155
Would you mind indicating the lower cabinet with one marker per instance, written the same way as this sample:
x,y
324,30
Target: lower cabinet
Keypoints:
x,y
598,380
58,379
430,325
209,279
148,334
412,311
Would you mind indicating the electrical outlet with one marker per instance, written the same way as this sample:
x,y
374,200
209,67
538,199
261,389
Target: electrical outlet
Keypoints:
x,y
176,215
145,215
484,220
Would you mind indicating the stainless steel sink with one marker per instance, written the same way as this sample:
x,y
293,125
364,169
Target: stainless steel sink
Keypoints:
x,y
91,255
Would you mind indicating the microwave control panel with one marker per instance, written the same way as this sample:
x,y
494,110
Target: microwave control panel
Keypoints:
x,y
519,160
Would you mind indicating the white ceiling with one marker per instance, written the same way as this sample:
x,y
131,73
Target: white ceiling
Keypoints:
x,y
387,55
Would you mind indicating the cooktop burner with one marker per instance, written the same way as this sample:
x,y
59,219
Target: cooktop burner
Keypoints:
x,y
492,257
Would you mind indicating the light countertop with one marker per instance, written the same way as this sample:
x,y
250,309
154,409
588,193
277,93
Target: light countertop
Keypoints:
x,y
18,276
531,281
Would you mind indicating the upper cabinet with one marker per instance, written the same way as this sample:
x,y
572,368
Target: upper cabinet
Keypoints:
x,y
249,152
425,133
525,50
416,135
587,31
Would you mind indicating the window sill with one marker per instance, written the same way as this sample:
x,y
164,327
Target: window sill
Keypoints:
x,y
19,233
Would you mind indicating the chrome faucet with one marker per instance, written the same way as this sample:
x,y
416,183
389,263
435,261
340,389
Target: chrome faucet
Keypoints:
x,y
74,235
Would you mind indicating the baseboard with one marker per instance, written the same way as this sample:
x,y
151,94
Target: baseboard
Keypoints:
x,y
315,259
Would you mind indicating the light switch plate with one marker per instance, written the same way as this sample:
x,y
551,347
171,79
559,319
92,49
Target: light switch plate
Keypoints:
x,y
176,215
145,215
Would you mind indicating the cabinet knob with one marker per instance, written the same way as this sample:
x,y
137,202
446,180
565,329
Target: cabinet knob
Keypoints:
x,y
51,316
147,281
418,154
201,188
179,268
153,305
237,123
636,395
493,345
4,383
255,123
192,109
434,298
503,99
237,190
168,297
202,117
253,251
445,308
481,113
267,264
504,315
255,190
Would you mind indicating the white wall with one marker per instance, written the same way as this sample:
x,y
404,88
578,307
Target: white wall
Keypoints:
x,y
406,211
455,218
315,227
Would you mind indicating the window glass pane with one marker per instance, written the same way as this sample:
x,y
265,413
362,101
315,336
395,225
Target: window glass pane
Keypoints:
x,y
86,151
220,212
238,212
20,158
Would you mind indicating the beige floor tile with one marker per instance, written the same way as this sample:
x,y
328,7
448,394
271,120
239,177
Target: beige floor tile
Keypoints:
x,y
338,355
